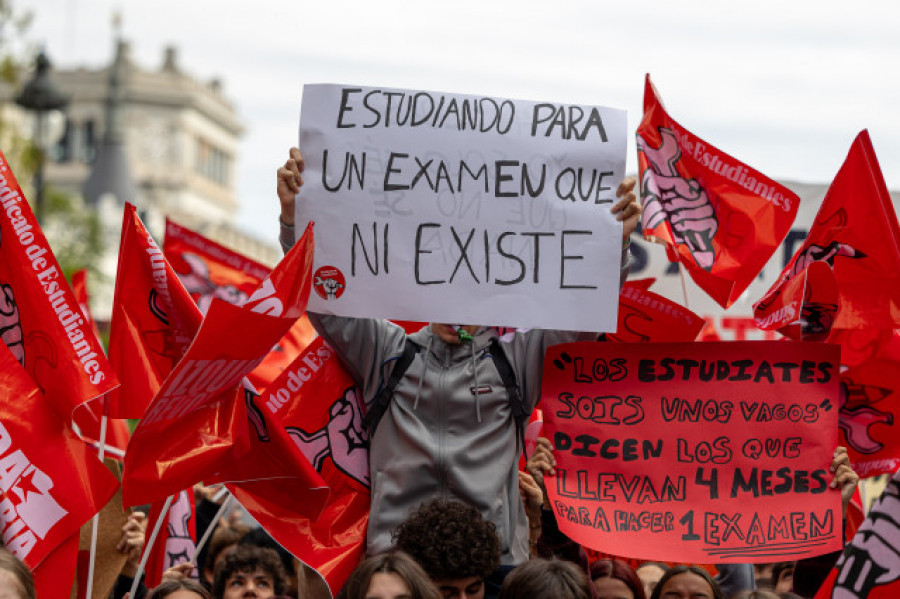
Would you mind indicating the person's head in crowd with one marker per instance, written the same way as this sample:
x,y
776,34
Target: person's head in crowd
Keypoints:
x,y
757,594
687,582
222,542
454,544
179,589
16,581
788,595
762,574
614,579
258,537
392,575
650,573
542,579
783,576
249,572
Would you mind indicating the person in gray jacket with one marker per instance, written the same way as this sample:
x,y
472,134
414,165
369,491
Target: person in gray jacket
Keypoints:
x,y
449,431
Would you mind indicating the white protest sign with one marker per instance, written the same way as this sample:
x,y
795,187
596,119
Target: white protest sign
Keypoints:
x,y
462,209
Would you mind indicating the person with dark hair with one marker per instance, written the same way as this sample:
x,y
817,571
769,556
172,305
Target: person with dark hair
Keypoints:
x,y
446,404
249,572
649,573
614,579
546,579
16,581
259,537
687,582
392,575
179,589
223,540
757,594
783,576
453,543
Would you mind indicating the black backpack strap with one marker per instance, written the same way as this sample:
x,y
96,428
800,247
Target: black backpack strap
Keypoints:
x,y
380,403
513,393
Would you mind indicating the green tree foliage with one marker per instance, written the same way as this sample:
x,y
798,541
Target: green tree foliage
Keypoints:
x,y
74,232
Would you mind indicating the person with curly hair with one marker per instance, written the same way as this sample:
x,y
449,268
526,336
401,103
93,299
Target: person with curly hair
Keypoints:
x,y
249,572
454,544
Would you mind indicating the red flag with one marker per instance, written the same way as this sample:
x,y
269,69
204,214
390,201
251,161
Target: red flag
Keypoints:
x,y
201,425
316,401
40,320
176,541
209,270
645,316
55,576
87,416
80,291
856,236
870,400
50,482
153,319
868,568
717,216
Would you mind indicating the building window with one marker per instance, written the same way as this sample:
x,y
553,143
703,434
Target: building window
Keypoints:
x,y
88,149
211,162
62,150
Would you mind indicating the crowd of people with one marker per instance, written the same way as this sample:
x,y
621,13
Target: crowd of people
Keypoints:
x,y
452,515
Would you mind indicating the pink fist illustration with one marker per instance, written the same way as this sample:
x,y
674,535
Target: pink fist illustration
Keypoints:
x,y
666,195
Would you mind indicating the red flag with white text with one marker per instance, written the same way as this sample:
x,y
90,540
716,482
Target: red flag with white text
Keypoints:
x,y
40,320
51,482
719,218
203,423
208,269
316,401
154,319
856,237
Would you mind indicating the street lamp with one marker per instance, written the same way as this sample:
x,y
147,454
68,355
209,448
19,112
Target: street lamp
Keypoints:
x,y
40,95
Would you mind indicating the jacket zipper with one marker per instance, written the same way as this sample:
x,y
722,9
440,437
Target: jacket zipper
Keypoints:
x,y
441,459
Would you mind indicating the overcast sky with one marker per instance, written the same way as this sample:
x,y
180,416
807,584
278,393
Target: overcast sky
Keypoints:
x,y
782,86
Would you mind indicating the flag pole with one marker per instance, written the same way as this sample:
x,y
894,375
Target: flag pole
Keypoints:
x,y
95,521
149,544
209,529
683,287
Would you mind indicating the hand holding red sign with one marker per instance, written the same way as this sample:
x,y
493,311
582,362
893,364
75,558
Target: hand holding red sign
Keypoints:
x,y
690,452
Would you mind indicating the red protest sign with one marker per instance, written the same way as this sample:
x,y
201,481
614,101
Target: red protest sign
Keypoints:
x,y
695,452
721,219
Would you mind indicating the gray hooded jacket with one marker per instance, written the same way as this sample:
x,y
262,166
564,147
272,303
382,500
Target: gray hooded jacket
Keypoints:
x,y
449,431
438,437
